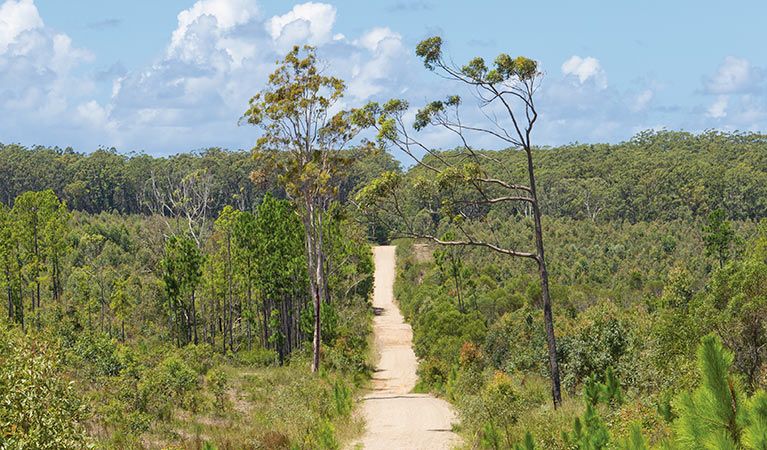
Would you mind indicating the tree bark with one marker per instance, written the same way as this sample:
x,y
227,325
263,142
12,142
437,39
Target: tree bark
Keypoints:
x,y
315,265
229,279
194,317
37,278
9,288
548,320
250,306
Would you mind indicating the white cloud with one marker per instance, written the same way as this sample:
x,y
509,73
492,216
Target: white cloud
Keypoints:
x,y
386,55
227,14
15,18
192,95
310,22
734,75
585,69
643,99
373,38
719,109
36,70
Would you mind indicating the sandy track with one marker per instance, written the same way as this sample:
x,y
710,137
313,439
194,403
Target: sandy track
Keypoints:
x,y
397,419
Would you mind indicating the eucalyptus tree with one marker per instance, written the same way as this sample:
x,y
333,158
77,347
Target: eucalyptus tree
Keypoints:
x,y
719,236
462,186
303,140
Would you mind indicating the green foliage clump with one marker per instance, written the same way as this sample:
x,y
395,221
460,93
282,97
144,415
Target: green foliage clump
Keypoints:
x,y
99,352
218,382
39,407
258,357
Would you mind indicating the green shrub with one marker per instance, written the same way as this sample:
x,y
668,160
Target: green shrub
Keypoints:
x,y
326,436
517,342
218,383
258,357
200,357
39,408
345,358
99,352
342,398
433,372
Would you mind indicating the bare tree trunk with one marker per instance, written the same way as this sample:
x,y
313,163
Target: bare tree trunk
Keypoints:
x,y
548,320
21,301
21,287
265,308
9,288
229,279
101,286
315,277
214,311
194,317
203,317
37,279
250,306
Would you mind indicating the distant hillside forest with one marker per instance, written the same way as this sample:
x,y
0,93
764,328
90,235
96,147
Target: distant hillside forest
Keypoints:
x,y
656,175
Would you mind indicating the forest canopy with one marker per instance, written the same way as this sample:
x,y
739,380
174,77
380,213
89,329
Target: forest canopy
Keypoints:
x,y
656,175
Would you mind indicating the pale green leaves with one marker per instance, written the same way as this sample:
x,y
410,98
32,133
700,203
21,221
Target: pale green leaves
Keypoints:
x,y
378,189
505,68
430,50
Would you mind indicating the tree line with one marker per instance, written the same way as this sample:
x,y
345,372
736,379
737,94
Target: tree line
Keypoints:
x,y
246,286
106,180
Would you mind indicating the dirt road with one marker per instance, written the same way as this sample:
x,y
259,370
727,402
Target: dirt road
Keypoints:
x,y
397,419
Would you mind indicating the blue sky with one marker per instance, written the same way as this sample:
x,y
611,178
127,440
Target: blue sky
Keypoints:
x,y
172,76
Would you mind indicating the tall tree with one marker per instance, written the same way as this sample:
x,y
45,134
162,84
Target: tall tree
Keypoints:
x,y
224,227
8,262
41,221
468,182
281,275
719,236
245,252
182,270
304,140
121,302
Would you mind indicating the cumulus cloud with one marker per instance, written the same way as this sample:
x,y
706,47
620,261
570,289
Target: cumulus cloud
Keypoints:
x,y
734,75
585,69
221,54
384,58
735,98
17,17
308,22
719,108
226,14
37,85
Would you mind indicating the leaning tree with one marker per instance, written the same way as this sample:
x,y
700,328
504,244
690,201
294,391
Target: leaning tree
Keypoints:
x,y
303,140
463,185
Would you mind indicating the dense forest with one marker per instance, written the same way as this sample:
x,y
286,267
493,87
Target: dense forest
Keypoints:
x,y
662,175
